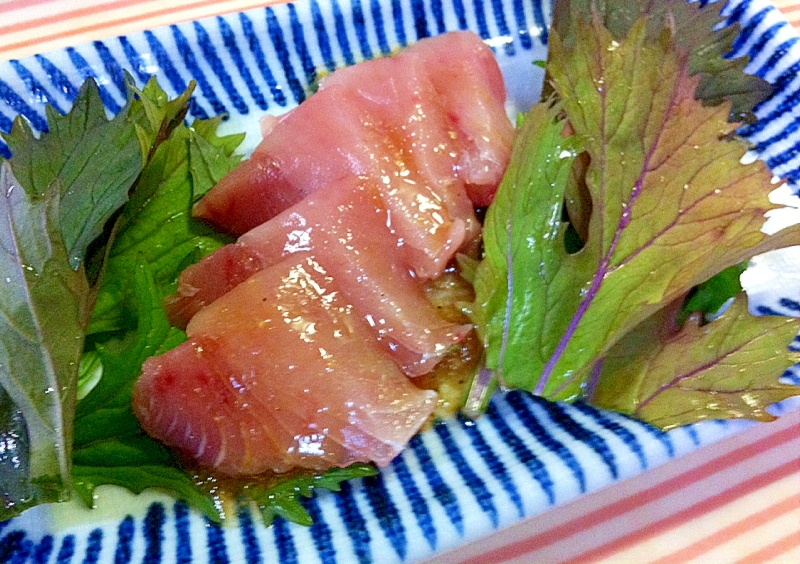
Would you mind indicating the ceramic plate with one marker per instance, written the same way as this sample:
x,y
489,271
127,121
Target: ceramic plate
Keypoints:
x,y
459,481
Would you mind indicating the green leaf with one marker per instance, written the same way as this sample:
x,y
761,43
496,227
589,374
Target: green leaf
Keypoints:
x,y
671,207
156,116
157,224
110,446
211,156
89,161
112,421
105,412
59,193
283,499
138,478
725,369
697,30
44,308
521,234
89,373
708,297
122,357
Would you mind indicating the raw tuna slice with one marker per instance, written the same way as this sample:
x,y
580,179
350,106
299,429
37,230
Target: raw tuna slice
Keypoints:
x,y
306,149
392,120
343,226
277,374
389,140
471,88
417,166
212,277
230,205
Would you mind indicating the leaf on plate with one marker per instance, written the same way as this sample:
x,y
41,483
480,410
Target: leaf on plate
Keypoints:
x,y
210,156
156,115
90,161
710,296
284,499
44,308
698,28
137,463
671,207
110,446
521,238
121,358
122,355
729,368
58,193
89,373
156,225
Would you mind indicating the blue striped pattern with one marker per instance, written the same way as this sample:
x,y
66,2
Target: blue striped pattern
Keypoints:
x,y
247,526
496,466
125,532
215,543
460,480
419,506
442,493
11,544
472,481
537,469
93,546
43,550
256,61
546,438
354,523
152,529
67,550
385,511
320,533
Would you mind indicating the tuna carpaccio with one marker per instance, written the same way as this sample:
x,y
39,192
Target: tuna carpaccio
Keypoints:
x,y
303,333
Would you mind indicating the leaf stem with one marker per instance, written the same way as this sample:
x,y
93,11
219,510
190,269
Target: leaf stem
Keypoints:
x,y
603,268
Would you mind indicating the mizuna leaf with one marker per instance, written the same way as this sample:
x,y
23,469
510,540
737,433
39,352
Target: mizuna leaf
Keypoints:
x,y
671,207
729,368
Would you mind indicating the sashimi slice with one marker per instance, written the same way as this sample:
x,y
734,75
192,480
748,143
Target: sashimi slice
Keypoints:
x,y
313,146
470,85
279,373
343,226
214,276
429,128
304,150
247,196
182,399
418,153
